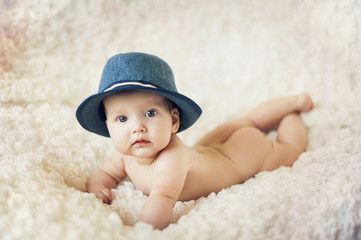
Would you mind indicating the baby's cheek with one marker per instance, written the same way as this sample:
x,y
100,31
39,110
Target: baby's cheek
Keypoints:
x,y
164,140
119,144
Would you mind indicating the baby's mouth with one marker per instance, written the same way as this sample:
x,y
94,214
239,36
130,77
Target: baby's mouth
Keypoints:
x,y
140,142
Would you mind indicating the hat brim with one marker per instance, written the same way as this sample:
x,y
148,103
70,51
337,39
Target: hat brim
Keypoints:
x,y
91,116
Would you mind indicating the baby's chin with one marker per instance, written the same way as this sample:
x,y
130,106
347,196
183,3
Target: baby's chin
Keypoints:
x,y
145,155
144,152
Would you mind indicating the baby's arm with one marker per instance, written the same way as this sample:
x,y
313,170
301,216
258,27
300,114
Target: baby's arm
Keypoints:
x,y
170,174
106,177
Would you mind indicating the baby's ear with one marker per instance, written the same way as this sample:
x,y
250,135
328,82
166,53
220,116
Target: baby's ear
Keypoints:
x,y
175,119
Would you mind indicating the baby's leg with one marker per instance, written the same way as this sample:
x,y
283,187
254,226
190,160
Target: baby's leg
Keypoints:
x,y
292,131
266,115
263,117
291,142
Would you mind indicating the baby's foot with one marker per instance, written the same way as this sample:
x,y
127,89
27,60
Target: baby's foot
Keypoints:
x,y
303,102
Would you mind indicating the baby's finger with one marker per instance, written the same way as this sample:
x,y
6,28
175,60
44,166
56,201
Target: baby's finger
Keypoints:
x,y
103,197
108,194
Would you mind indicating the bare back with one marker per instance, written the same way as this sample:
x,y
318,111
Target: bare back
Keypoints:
x,y
214,167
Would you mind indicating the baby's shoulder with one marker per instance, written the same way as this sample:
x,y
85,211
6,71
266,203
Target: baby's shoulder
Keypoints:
x,y
176,152
117,159
175,145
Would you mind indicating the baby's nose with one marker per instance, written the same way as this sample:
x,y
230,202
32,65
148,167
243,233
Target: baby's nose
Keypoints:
x,y
139,127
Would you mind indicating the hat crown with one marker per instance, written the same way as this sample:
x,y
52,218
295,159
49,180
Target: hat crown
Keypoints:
x,y
137,67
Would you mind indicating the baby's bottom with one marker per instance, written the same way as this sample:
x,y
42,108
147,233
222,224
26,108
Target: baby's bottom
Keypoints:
x,y
252,151
243,141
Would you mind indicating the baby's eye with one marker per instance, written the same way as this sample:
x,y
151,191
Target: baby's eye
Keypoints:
x,y
151,113
122,119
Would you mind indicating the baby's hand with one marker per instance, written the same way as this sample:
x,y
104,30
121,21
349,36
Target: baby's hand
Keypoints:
x,y
105,195
101,192
100,183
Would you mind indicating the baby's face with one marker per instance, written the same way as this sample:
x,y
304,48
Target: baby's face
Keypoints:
x,y
140,124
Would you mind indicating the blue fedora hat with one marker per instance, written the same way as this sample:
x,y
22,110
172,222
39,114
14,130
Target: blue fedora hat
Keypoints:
x,y
135,71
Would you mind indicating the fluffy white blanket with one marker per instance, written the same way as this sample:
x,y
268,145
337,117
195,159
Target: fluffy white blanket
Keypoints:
x,y
226,55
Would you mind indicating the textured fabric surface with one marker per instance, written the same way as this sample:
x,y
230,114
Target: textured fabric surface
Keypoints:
x,y
227,56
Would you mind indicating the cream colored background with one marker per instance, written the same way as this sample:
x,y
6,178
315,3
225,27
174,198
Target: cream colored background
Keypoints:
x,y
227,56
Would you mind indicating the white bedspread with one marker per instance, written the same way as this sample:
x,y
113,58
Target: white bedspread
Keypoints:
x,y
226,55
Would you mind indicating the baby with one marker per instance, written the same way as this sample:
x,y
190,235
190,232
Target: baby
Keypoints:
x,y
139,107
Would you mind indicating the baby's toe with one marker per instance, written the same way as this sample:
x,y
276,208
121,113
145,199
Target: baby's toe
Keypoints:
x,y
304,103
308,103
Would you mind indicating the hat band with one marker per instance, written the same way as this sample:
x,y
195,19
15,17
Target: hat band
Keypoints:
x,y
127,84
